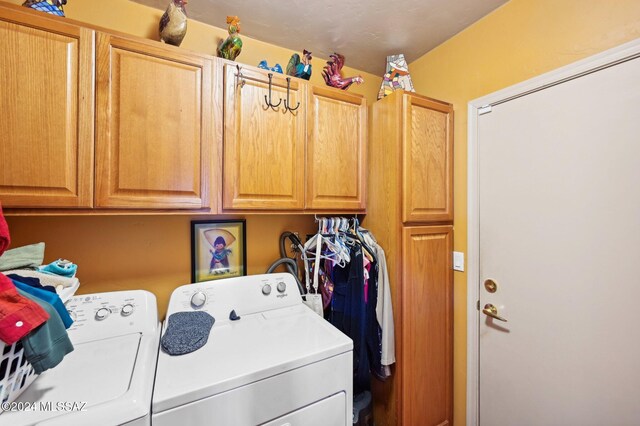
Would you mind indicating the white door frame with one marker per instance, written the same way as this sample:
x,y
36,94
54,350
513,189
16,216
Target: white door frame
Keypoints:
x,y
592,64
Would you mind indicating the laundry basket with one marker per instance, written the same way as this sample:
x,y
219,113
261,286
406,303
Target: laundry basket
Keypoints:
x,y
15,372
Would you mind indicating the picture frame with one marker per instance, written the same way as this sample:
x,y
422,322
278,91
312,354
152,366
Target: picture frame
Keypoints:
x,y
218,249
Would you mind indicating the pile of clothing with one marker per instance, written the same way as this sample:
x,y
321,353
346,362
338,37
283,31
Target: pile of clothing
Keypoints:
x,y
31,312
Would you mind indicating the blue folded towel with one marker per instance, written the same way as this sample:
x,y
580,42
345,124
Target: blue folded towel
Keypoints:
x,y
186,332
60,267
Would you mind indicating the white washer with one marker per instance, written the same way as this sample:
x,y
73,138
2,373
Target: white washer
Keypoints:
x,y
279,364
109,375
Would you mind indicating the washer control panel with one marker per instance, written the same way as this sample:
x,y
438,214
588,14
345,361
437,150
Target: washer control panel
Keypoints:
x,y
100,315
244,295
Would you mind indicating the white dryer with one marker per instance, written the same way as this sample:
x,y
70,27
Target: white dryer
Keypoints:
x,y
279,364
108,378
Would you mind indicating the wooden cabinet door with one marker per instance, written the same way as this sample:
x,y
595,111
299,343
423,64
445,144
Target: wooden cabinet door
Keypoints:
x,y
46,104
336,150
154,126
426,352
427,175
263,149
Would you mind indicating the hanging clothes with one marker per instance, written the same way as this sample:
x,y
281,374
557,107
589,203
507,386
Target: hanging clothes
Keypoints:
x,y
384,307
349,278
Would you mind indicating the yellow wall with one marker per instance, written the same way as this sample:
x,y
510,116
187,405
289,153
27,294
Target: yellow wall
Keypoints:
x,y
142,252
520,40
142,21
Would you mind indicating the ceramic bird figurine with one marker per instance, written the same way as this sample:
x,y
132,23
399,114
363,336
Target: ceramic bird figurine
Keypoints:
x,y
53,7
300,68
265,66
173,24
231,47
333,75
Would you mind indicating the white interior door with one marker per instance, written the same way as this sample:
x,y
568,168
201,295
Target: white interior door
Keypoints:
x,y
559,222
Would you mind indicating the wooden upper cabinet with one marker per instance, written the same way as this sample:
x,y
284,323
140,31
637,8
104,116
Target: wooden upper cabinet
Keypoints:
x,y
263,148
425,363
428,160
46,104
336,150
154,133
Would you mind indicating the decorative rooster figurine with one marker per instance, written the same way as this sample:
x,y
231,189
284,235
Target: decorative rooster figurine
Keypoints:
x,y
173,24
53,7
300,68
333,76
231,47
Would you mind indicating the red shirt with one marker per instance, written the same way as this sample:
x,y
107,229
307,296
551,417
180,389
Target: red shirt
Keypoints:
x,y
18,315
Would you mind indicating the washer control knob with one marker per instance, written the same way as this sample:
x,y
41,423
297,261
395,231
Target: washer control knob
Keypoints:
x,y
198,300
73,315
102,313
282,286
266,289
126,310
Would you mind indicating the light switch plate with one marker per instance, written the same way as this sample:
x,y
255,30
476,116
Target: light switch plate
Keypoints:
x,y
458,261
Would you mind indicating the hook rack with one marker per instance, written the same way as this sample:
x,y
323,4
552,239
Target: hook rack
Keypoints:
x,y
287,105
268,100
239,77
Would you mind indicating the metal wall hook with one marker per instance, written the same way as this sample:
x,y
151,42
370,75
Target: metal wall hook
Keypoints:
x,y
239,77
286,102
268,100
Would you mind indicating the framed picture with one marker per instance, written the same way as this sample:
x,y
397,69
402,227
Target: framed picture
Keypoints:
x,y
218,250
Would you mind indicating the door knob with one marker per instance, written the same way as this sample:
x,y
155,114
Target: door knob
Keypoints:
x,y
491,311
491,286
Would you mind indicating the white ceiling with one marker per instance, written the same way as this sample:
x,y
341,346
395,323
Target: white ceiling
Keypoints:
x,y
365,32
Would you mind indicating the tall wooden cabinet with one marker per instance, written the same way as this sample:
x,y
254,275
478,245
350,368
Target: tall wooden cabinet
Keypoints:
x,y
46,108
154,133
410,212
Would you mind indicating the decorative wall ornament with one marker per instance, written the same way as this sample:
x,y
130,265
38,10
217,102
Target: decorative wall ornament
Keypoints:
x,y
218,249
397,76
300,67
332,73
231,47
173,24
53,7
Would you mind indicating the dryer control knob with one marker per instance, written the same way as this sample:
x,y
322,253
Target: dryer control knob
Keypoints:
x,y
266,289
102,313
282,286
198,300
126,310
